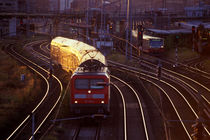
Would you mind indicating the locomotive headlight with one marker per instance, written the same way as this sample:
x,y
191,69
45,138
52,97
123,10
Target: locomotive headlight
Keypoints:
x,y
75,102
102,102
89,91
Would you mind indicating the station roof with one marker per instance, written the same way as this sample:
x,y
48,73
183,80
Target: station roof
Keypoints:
x,y
176,31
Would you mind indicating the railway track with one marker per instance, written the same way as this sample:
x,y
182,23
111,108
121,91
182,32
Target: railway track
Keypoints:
x,y
181,86
94,133
44,107
194,80
186,126
88,131
134,116
185,120
76,132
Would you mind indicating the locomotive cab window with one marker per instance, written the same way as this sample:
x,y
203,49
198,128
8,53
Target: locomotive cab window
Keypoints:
x,y
94,84
81,83
88,84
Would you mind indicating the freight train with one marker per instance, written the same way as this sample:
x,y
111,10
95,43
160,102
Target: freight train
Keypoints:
x,y
89,85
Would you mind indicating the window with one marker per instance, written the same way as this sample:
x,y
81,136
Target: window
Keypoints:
x,y
93,84
88,84
81,83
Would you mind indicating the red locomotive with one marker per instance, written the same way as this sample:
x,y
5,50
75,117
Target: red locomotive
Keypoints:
x,y
90,90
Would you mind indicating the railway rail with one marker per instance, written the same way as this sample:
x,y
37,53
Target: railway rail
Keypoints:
x,y
90,131
78,131
132,117
181,81
181,84
44,107
196,81
183,120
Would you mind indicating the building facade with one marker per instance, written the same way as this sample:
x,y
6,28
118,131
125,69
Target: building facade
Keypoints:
x,y
8,5
139,5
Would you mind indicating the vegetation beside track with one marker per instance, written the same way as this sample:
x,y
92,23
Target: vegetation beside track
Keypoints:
x,y
16,96
206,65
184,46
184,54
117,57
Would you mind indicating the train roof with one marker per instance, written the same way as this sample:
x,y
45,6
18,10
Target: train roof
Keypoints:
x,y
82,50
146,37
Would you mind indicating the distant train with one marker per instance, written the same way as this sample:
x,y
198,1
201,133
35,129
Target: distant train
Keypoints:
x,y
90,90
151,44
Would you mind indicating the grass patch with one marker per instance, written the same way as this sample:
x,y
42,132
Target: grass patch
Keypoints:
x,y
184,54
15,95
117,57
206,65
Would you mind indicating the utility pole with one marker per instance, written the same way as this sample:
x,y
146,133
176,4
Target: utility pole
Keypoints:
x,y
1,33
58,6
101,22
159,69
164,4
127,26
50,74
65,7
33,125
87,22
120,6
176,57
176,50
130,27
193,38
198,125
27,20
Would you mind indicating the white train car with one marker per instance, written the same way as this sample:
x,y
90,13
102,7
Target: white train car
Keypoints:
x,y
71,53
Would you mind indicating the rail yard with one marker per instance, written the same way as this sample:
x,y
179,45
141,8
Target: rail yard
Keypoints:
x,y
102,76
142,105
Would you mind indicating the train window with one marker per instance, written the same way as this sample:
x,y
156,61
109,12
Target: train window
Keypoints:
x,y
94,85
88,84
82,84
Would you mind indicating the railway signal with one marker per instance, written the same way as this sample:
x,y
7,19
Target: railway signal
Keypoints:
x,y
193,30
193,38
159,68
140,34
110,28
177,37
